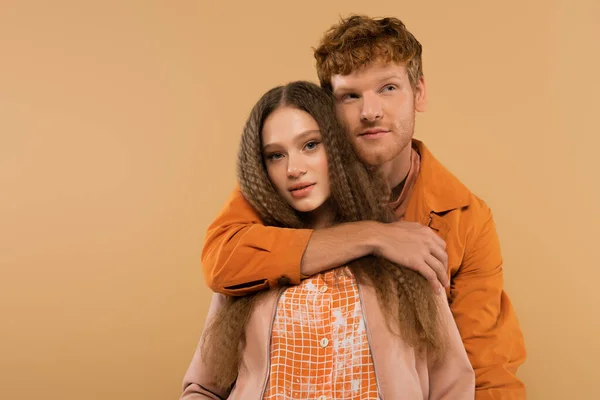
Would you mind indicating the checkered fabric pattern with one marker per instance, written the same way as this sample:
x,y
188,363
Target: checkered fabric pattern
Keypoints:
x,y
319,347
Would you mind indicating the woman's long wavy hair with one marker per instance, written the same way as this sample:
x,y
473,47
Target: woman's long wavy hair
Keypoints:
x,y
358,193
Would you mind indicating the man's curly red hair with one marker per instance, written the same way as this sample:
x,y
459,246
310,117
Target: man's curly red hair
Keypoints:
x,y
359,40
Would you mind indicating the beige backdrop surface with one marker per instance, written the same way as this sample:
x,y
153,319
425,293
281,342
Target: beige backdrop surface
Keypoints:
x,y
119,124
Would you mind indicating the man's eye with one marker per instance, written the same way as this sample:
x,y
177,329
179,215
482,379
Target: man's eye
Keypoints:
x,y
388,88
349,97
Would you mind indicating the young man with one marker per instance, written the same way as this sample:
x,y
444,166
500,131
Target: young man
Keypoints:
x,y
373,68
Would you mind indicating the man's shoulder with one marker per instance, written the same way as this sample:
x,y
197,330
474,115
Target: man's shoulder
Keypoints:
x,y
440,189
443,193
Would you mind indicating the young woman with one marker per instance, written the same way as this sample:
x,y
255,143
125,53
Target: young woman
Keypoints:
x,y
367,330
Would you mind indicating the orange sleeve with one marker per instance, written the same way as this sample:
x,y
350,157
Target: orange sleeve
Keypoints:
x,y
484,314
241,255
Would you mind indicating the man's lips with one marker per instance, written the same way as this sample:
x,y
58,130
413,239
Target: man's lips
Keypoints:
x,y
373,133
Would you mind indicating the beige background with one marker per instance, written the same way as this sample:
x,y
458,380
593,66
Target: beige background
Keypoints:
x,y
119,123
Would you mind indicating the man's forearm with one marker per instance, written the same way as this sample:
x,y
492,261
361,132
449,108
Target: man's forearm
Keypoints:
x,y
333,247
408,244
241,256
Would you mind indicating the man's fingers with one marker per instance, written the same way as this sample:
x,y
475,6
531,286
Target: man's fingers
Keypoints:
x,y
429,274
440,254
438,268
439,241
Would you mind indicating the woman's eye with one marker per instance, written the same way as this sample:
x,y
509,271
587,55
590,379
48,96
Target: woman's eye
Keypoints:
x,y
274,156
311,145
389,88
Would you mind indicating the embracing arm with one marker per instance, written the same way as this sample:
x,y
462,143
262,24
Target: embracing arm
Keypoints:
x,y
484,315
241,255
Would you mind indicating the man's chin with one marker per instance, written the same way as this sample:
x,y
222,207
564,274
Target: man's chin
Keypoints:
x,y
376,158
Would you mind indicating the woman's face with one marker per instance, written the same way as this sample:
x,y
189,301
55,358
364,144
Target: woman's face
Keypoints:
x,y
295,158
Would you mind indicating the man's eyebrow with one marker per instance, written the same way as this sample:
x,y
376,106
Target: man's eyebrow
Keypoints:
x,y
345,89
393,76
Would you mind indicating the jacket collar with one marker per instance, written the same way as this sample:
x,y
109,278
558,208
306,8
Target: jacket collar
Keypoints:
x,y
442,191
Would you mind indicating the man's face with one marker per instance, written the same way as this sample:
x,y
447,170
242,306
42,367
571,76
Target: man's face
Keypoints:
x,y
377,106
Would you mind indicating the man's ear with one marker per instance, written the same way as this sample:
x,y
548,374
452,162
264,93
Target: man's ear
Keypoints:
x,y
421,95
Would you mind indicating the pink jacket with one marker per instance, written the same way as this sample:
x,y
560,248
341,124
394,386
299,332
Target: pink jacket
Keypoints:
x,y
400,374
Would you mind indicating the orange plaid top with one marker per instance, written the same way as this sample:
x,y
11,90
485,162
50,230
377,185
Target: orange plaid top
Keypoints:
x,y
319,347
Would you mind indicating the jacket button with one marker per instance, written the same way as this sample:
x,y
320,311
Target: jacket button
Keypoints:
x,y
324,342
284,281
322,397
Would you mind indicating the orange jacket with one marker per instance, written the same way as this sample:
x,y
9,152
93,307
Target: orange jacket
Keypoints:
x,y
240,256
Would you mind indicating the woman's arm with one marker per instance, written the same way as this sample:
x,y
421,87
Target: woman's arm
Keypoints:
x,y
198,382
452,376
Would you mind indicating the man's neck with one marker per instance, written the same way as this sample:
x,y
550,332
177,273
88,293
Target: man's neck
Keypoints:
x,y
396,171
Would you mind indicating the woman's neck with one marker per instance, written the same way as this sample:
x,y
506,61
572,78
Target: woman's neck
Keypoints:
x,y
320,217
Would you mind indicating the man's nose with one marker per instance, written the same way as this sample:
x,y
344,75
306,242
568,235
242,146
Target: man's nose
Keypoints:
x,y
371,108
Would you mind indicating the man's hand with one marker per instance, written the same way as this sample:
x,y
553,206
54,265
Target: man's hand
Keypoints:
x,y
414,246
